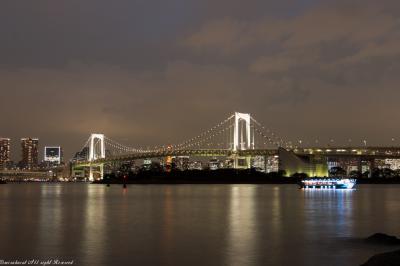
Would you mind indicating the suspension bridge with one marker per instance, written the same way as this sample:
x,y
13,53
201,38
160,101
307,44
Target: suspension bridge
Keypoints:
x,y
239,137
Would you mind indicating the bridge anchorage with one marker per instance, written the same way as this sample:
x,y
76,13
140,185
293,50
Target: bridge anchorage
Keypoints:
x,y
239,138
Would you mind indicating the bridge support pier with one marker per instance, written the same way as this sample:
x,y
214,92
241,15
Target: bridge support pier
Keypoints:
x,y
91,172
102,171
241,162
91,177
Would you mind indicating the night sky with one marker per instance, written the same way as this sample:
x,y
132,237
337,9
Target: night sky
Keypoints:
x,y
154,72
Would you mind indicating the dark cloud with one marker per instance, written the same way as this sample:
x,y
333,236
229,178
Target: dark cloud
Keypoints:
x,y
156,72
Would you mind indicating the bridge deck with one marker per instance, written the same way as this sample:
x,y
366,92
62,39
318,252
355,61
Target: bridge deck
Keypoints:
x,y
368,152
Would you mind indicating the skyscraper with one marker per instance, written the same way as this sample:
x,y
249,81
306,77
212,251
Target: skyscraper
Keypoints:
x,y
29,153
4,152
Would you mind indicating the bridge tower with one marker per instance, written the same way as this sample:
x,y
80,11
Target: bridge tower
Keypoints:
x,y
239,142
97,150
243,138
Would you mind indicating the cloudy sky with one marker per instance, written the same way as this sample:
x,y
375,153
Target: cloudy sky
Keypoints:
x,y
149,72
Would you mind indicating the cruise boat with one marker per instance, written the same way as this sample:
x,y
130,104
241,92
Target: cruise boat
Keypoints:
x,y
327,183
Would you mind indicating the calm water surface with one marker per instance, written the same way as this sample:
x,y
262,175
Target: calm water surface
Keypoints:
x,y
195,224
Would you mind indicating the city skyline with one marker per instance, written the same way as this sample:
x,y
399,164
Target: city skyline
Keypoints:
x,y
213,132
15,154
310,70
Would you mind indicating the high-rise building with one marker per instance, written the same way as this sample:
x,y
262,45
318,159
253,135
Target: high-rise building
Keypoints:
x,y
53,155
30,153
4,152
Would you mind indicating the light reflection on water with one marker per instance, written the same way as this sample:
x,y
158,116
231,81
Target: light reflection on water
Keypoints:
x,y
195,224
94,225
241,226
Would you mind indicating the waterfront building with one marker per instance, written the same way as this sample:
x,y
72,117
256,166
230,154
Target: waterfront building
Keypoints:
x,y
272,164
30,153
258,163
393,164
181,162
195,165
5,153
53,155
291,164
147,164
215,164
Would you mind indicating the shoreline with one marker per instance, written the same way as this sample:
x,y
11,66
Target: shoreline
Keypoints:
x,y
227,180
173,181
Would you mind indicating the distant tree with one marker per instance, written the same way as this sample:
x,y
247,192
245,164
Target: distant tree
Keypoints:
x,y
397,173
355,174
300,175
377,173
366,174
156,167
282,173
383,173
337,171
388,173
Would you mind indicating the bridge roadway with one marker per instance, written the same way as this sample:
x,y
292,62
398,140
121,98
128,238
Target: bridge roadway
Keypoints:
x,y
352,152
332,152
166,153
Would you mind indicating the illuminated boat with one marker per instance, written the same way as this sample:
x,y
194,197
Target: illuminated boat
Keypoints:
x,y
327,183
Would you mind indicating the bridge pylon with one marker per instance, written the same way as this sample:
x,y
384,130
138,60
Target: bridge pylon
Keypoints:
x,y
243,138
242,135
97,150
